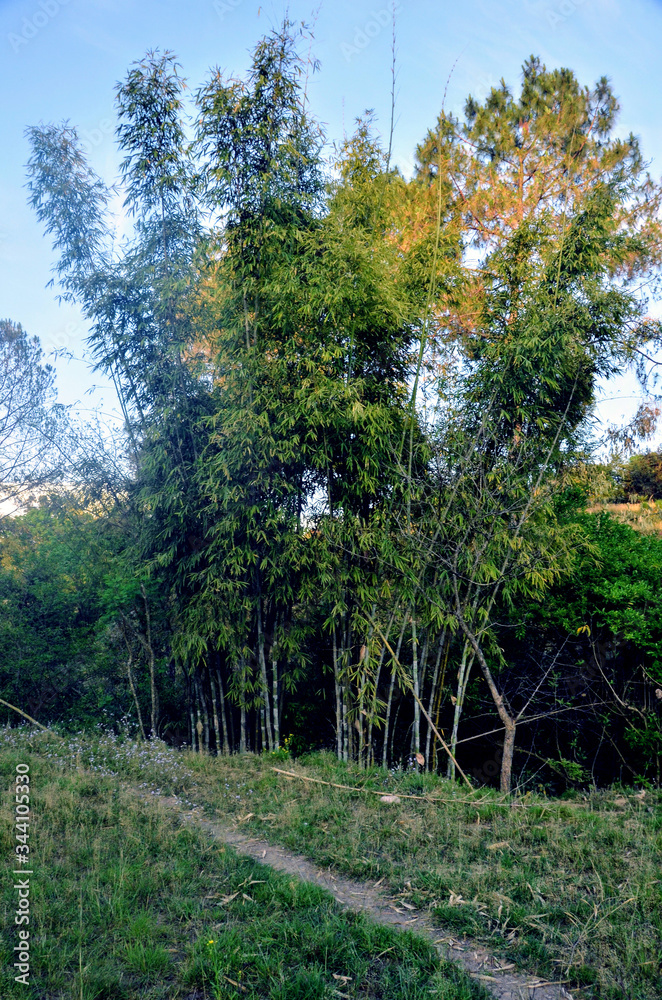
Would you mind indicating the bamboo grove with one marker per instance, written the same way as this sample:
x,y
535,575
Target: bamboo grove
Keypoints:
x,y
356,413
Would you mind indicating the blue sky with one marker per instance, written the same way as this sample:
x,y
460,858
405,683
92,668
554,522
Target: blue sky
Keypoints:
x,y
61,60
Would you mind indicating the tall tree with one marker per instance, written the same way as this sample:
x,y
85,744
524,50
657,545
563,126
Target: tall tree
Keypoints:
x,y
33,446
552,321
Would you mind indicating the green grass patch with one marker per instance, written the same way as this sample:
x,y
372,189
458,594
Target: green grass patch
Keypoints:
x,y
570,889
128,903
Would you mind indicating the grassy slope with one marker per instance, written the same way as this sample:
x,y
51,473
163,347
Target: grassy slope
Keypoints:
x,y
126,903
645,517
572,892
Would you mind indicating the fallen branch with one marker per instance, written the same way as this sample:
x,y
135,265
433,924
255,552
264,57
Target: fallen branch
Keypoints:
x,y
29,718
371,791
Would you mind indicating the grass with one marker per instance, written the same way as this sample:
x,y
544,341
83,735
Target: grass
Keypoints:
x,y
570,888
128,903
644,516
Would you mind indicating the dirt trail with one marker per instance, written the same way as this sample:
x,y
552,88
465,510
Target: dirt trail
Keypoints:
x,y
496,975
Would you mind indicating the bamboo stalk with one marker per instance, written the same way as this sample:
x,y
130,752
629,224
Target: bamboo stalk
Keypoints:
x,y
429,720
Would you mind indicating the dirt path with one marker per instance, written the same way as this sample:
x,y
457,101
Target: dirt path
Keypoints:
x,y
498,976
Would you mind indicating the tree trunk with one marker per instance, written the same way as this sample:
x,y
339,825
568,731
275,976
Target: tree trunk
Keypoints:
x,y
389,703
361,718
152,669
202,700
416,730
509,722
345,724
190,697
466,664
242,705
507,760
205,714
275,707
440,696
373,710
214,709
267,733
198,725
224,719
242,728
132,686
339,704
346,653
232,733
433,690
344,694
